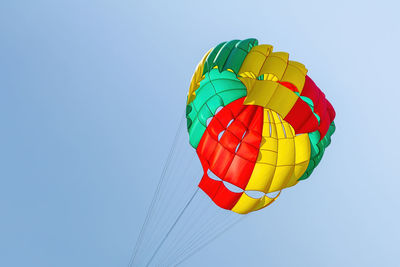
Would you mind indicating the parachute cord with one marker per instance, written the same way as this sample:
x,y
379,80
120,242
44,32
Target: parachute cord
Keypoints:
x,y
202,232
193,227
172,227
153,202
209,241
162,210
221,222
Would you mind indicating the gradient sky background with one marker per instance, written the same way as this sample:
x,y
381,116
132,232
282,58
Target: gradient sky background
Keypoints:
x,y
91,93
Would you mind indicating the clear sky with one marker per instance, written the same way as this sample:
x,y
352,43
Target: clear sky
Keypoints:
x,y
91,93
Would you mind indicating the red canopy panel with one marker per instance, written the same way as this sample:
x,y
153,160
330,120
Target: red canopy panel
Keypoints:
x,y
232,155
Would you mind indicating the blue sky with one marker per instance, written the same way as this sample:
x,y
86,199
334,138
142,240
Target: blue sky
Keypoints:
x,y
91,93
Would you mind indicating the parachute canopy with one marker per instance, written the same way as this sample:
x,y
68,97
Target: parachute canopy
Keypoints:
x,y
258,123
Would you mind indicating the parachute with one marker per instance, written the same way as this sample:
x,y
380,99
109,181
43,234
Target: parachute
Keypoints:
x,y
271,131
258,124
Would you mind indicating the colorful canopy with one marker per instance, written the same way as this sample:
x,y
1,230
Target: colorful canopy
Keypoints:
x,y
259,124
